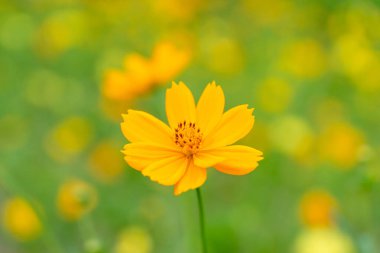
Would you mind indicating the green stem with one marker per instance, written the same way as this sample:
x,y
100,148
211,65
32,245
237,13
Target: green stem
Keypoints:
x,y
201,220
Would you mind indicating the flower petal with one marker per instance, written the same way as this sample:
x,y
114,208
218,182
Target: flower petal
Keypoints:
x,y
180,104
234,125
167,171
193,178
117,85
239,160
141,155
162,60
210,108
206,159
140,70
139,126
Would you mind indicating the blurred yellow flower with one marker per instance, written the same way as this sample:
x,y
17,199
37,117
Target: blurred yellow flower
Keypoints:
x,y
304,59
178,10
141,74
110,13
324,241
292,135
134,240
198,137
21,220
140,70
353,52
168,61
69,138
307,17
328,111
61,31
75,199
268,12
105,163
123,86
222,54
274,95
341,143
317,209
357,58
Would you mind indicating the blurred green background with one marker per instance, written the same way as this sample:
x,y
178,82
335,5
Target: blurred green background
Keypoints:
x,y
310,68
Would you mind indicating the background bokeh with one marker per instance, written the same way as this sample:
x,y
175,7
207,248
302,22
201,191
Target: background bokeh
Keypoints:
x,y
311,70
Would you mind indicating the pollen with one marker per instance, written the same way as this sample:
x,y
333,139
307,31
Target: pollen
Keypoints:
x,y
188,136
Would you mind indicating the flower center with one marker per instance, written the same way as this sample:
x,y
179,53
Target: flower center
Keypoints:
x,y
188,136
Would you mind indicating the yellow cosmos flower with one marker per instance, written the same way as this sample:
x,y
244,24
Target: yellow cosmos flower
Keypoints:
x,y
134,240
68,139
295,62
135,80
317,209
340,144
141,74
21,220
75,199
325,240
105,163
164,69
198,137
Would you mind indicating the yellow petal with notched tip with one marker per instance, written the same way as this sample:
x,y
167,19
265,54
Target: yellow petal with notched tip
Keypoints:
x,y
210,108
234,125
180,105
140,126
239,160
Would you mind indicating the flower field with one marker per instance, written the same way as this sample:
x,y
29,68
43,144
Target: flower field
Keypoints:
x,y
99,98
